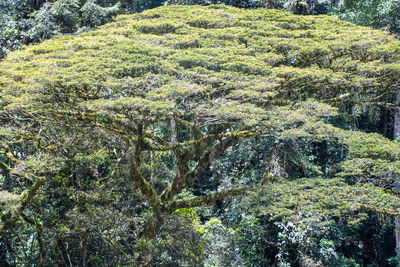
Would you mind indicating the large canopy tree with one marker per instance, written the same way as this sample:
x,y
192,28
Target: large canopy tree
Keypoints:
x,y
166,92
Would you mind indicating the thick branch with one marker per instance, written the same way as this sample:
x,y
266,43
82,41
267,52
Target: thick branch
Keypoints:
x,y
138,179
144,186
181,164
184,178
4,167
182,158
178,182
210,198
26,197
39,231
209,155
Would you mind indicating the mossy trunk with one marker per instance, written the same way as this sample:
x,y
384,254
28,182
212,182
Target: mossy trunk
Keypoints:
x,y
153,226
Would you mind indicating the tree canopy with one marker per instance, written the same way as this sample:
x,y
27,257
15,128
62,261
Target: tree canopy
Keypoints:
x,y
157,98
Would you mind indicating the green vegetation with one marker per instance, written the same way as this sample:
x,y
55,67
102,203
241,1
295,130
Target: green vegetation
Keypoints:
x,y
24,21
200,136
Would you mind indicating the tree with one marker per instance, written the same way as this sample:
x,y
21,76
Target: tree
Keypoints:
x,y
165,93
380,14
23,22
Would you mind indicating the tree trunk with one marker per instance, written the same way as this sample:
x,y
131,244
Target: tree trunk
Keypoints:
x,y
153,226
396,123
83,245
39,231
396,131
397,236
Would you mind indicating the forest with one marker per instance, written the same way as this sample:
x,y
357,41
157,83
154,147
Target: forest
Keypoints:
x,y
200,133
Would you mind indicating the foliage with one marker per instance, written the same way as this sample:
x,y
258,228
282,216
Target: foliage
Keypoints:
x,y
12,25
329,198
222,249
23,21
381,14
236,3
53,18
94,15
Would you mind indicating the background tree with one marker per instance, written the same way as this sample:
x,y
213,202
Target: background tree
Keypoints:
x,y
23,22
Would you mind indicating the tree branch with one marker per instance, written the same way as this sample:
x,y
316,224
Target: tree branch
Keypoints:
x,y
209,155
207,199
184,178
26,197
181,163
144,186
138,179
181,179
4,166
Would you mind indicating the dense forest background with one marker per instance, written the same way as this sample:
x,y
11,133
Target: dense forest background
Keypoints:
x,y
303,173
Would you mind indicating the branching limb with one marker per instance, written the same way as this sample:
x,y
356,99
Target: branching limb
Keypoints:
x,y
191,202
210,198
185,177
138,179
26,197
4,167
144,186
208,156
181,162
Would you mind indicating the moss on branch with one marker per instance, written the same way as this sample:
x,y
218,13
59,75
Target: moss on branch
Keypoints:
x,y
191,202
25,198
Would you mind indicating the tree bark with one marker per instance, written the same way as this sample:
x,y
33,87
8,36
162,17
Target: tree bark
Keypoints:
x,y
396,123
83,245
396,131
153,226
397,236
